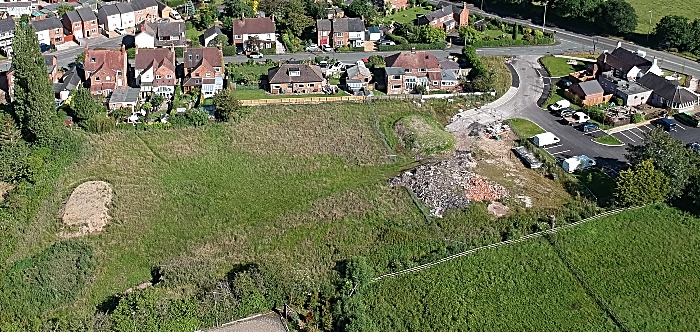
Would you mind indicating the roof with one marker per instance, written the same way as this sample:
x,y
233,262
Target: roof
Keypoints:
x,y
359,69
16,4
111,59
164,29
212,54
447,64
247,26
410,59
86,14
390,71
323,25
143,4
109,10
374,29
307,73
124,7
623,59
7,25
125,95
445,10
47,24
145,58
348,24
668,90
215,30
448,75
69,81
72,16
48,61
590,87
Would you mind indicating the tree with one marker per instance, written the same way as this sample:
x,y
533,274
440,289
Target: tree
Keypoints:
x,y
83,105
64,8
469,34
156,101
377,61
429,34
577,9
669,156
364,9
80,58
34,100
675,30
297,22
238,8
515,31
9,132
227,106
641,185
208,14
485,80
220,39
617,16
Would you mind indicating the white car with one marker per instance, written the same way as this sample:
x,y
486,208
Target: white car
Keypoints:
x,y
175,15
120,31
327,48
256,55
559,105
312,48
387,43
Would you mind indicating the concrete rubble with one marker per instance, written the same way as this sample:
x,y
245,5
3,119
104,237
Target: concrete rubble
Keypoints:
x,y
449,184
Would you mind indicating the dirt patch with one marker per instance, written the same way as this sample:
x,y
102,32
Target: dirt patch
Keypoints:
x,y
86,210
497,209
4,189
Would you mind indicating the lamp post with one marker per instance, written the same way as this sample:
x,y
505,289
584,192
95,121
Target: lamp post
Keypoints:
x,y
544,18
482,5
651,12
595,42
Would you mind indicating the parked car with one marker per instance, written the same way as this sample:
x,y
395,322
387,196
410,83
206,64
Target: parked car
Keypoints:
x,y
175,15
120,31
559,105
387,43
323,64
312,48
164,20
577,163
566,112
589,127
694,146
667,124
327,48
578,118
256,55
564,83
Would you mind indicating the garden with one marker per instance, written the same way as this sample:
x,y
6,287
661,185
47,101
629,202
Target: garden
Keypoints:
x,y
494,32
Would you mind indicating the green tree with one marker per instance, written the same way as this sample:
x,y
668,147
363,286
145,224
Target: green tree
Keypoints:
x,y
617,16
485,80
577,9
13,151
208,14
34,102
364,9
157,100
238,8
469,34
64,8
641,185
228,107
669,156
9,132
429,34
377,61
675,30
220,39
82,105
80,58
297,22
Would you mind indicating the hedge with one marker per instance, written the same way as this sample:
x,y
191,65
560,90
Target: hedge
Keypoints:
x,y
688,119
349,49
395,38
511,42
408,47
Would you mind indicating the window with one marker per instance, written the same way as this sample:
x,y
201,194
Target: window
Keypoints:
x,y
339,34
107,78
190,56
422,70
237,37
196,81
56,30
197,57
140,11
157,77
408,70
339,42
324,33
93,22
310,85
435,82
208,74
289,86
77,24
217,69
396,77
119,73
97,78
396,87
93,60
275,86
168,76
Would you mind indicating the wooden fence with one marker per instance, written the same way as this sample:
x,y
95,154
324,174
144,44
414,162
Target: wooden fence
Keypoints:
x,y
310,100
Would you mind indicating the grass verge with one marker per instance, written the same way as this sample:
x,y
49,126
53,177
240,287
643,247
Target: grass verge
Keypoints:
x,y
248,94
608,140
406,16
557,67
524,128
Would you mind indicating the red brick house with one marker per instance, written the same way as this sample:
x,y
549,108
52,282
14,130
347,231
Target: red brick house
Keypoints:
x,y
447,16
387,5
81,23
295,78
49,31
588,93
262,28
204,68
7,84
154,71
405,71
106,70
145,10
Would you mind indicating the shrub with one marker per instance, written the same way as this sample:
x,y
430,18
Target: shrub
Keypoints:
x,y
408,47
99,123
396,39
637,118
229,50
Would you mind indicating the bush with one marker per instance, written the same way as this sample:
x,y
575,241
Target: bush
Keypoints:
x,y
688,119
408,47
179,52
396,39
347,49
229,50
637,118
99,123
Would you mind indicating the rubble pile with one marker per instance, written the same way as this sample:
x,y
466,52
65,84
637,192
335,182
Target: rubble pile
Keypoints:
x,y
448,184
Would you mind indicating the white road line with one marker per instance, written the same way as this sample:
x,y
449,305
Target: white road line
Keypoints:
x,y
552,147
647,127
623,134
635,134
560,152
679,126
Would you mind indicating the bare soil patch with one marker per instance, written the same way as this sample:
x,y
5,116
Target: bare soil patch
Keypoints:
x,y
4,189
86,210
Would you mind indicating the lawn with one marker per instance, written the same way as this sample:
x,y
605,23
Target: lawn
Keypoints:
x,y
558,67
406,16
557,95
248,94
661,9
642,263
503,79
608,139
525,128
258,69
193,34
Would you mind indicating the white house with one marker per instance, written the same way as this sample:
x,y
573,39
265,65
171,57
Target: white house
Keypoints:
x,y
17,8
374,34
127,14
261,27
109,17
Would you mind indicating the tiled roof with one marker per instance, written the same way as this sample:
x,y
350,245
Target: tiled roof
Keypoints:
x,y
347,24
125,95
7,25
255,25
391,71
307,74
145,57
590,87
109,10
668,90
621,58
212,54
124,7
413,60
143,4
47,24
111,59
86,14
446,10
72,16
323,25
215,30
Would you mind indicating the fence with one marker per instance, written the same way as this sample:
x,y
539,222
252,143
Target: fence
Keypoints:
x,y
310,100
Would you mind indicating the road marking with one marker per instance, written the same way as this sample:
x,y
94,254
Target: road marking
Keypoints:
x,y
560,152
552,147
623,134
679,126
635,134
647,127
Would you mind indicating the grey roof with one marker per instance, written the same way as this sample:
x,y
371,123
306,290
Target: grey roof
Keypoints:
x,y
390,71
16,4
448,75
449,65
48,61
73,16
86,14
109,10
323,25
47,24
5,66
668,90
374,29
358,70
348,24
590,87
125,95
124,7
307,74
215,30
143,4
444,11
70,80
7,25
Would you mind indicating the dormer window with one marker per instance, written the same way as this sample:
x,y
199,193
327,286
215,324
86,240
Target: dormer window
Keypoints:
x,y
294,72
208,74
93,60
97,78
107,78
157,77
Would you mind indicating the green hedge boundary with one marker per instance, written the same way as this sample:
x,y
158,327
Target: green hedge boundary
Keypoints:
x,y
408,47
511,42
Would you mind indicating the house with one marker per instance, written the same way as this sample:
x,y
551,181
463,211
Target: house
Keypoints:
x,y
164,10
52,69
92,4
154,71
254,34
394,78
106,70
49,31
668,94
210,34
454,68
8,82
203,69
18,8
81,23
358,76
295,78
166,34
447,16
413,68
124,98
323,32
588,93
145,10
335,13
625,64
116,15
394,4
127,14
7,32
632,93
70,81
348,32
374,34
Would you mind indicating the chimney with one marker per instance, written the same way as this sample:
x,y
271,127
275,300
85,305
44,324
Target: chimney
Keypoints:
x,y
464,5
619,44
272,17
654,63
172,51
136,49
242,16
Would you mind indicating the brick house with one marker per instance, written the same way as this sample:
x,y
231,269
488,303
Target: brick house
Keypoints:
x,y
49,31
166,34
407,70
588,93
632,93
106,70
394,78
81,23
203,69
447,16
262,28
7,33
668,94
323,32
154,71
8,83
348,32
387,5
145,10
295,78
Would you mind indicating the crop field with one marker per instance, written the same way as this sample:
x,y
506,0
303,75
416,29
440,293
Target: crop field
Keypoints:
x,y
641,263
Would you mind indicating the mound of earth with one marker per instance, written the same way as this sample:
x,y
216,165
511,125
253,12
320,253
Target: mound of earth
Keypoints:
x,y
86,210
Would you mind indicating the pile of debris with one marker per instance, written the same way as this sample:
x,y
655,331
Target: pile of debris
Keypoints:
x,y
448,184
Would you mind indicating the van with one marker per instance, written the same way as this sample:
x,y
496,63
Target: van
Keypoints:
x,y
668,124
545,139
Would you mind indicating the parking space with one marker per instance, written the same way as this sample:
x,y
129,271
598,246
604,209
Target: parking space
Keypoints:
x,y
558,151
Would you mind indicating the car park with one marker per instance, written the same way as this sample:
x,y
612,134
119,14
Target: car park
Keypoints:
x,y
256,55
667,124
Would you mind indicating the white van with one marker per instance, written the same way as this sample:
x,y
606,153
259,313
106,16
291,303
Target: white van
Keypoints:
x,y
559,105
545,139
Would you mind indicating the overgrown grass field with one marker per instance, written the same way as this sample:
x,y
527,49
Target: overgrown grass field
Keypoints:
x,y
640,262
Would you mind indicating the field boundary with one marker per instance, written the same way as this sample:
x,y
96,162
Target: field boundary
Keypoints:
x,y
503,243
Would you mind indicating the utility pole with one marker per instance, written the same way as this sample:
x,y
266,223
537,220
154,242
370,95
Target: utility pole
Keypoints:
x,y
216,312
482,5
595,42
651,12
544,18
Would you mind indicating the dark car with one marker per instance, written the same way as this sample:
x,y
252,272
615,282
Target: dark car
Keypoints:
x,y
667,124
695,146
564,83
589,127
566,112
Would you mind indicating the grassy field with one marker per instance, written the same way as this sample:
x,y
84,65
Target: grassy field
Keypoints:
x,y
247,94
661,9
640,263
608,139
420,134
406,16
525,128
258,69
558,67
